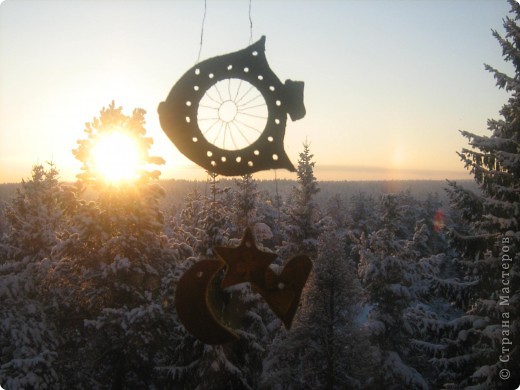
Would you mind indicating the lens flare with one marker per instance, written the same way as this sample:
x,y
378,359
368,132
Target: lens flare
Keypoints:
x,y
438,220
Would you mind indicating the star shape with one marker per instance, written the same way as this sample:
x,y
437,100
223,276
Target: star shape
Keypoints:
x,y
245,263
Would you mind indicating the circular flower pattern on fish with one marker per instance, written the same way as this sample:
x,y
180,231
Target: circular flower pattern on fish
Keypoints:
x,y
228,113
232,114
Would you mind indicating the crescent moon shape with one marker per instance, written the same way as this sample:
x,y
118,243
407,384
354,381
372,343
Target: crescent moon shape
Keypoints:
x,y
180,114
191,302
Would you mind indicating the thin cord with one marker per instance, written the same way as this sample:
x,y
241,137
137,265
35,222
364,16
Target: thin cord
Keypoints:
x,y
277,195
250,25
202,30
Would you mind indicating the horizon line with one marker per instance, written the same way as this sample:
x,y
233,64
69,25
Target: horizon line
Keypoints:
x,y
323,173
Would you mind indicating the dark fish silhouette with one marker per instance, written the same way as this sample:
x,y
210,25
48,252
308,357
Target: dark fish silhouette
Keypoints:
x,y
228,113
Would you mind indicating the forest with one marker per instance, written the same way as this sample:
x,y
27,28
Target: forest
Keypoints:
x,y
408,289
88,282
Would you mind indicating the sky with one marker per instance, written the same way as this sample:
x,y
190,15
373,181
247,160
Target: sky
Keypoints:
x,y
388,84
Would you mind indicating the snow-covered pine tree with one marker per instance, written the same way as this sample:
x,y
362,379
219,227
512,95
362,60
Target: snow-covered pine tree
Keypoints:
x,y
328,309
299,225
255,336
466,213
205,220
245,201
281,365
429,238
301,218
35,218
208,222
337,211
489,339
109,280
361,220
35,215
434,292
215,217
249,208
390,272
399,213
3,233
324,349
269,211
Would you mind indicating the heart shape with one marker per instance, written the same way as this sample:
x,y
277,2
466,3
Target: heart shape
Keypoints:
x,y
282,291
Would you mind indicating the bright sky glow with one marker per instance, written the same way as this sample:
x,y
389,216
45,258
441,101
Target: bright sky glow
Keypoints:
x,y
116,157
388,83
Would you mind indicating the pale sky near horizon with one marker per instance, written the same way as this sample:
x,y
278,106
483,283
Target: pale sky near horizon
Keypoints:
x,y
388,84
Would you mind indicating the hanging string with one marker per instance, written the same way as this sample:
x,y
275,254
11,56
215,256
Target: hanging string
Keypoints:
x,y
250,25
277,195
202,30
248,187
206,185
204,22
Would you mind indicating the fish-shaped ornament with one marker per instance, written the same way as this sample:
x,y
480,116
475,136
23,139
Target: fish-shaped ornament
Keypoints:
x,y
228,113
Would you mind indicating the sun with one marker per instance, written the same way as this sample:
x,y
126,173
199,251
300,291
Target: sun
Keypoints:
x,y
116,157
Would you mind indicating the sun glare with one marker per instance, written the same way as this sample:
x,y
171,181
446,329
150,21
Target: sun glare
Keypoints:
x,y
116,157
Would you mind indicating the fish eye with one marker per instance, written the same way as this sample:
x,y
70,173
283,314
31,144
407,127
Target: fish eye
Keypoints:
x,y
232,114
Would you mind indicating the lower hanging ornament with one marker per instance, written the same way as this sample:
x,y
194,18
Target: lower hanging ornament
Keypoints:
x,y
198,289
192,300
